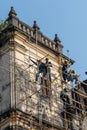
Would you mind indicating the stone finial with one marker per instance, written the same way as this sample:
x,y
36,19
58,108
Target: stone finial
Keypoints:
x,y
56,39
35,26
12,12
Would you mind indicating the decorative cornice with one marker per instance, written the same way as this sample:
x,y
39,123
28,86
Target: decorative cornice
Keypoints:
x,y
54,45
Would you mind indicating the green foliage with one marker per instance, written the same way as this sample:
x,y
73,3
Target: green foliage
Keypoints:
x,y
3,25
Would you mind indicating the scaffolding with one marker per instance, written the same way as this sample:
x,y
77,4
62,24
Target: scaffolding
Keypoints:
x,y
39,106
32,104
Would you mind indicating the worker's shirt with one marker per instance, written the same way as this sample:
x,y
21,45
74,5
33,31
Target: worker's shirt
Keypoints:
x,y
48,65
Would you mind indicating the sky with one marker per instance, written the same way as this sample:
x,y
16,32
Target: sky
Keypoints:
x,y
67,18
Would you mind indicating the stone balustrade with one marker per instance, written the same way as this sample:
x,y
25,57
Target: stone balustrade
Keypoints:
x,y
40,37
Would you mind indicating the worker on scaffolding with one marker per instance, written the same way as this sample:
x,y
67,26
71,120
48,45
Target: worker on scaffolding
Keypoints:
x,y
65,66
48,65
41,71
73,78
67,74
64,96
